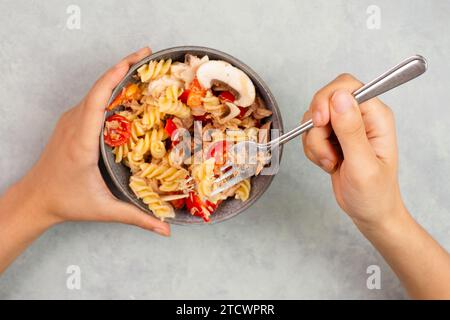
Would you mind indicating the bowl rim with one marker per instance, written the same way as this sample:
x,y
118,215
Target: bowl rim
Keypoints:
x,y
185,50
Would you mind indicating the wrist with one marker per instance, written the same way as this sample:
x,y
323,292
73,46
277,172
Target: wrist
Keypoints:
x,y
396,216
26,201
23,218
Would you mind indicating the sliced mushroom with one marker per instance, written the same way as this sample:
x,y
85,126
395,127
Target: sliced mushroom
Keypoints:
x,y
231,111
216,70
218,85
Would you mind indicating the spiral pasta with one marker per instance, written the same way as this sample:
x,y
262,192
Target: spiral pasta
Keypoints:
x,y
137,130
154,69
151,142
121,152
170,104
132,163
212,105
151,116
243,190
141,148
162,172
167,98
157,146
143,191
170,186
203,175
158,149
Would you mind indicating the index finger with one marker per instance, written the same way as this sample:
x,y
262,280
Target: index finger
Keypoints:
x,y
319,107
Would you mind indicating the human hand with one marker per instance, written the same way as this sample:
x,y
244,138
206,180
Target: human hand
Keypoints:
x,y
357,146
66,183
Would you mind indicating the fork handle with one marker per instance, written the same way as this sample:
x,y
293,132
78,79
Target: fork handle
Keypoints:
x,y
405,71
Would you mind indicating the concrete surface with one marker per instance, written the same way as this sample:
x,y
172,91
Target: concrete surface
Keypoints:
x,y
295,242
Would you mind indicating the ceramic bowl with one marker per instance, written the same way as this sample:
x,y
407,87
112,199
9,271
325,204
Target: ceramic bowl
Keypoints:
x,y
120,174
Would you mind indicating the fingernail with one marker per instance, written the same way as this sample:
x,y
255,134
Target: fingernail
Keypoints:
x,y
317,118
161,231
327,165
342,101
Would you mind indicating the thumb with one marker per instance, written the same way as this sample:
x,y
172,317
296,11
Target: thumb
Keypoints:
x,y
348,125
123,212
95,102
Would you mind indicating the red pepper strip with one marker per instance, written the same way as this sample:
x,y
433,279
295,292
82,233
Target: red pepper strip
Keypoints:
x,y
197,207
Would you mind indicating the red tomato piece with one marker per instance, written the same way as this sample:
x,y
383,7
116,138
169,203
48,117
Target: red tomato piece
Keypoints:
x,y
184,96
219,151
117,130
170,127
227,96
242,113
179,203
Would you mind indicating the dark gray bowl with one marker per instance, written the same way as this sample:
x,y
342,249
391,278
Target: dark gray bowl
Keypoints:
x,y
120,174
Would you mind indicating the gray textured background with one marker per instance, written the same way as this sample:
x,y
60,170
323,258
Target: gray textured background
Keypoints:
x,y
295,242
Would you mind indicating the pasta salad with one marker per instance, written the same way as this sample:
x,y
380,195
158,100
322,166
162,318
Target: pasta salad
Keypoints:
x,y
173,127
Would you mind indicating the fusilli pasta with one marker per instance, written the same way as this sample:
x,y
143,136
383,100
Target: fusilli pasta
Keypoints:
x,y
170,104
143,191
162,172
203,174
170,96
243,190
154,69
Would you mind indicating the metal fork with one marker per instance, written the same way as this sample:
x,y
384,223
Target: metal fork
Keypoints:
x,y
233,173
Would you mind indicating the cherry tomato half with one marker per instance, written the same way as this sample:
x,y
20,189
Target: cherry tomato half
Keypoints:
x,y
117,130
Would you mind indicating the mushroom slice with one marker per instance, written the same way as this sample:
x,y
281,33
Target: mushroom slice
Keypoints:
x,y
231,111
216,70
